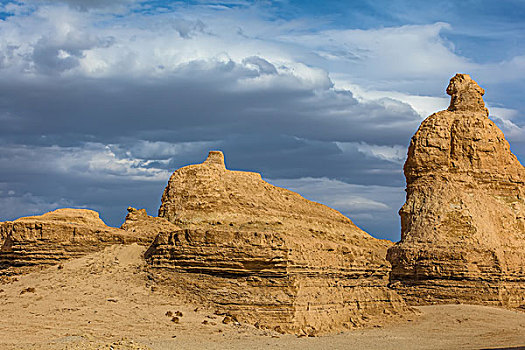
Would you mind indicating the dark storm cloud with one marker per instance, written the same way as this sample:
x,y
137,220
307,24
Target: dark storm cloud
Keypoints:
x,y
37,179
51,56
194,104
285,157
57,153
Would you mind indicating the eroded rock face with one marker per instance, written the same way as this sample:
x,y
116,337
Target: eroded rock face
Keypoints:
x,y
463,223
148,227
50,238
268,256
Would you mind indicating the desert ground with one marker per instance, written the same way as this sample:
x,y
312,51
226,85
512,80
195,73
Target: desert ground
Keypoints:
x,y
105,300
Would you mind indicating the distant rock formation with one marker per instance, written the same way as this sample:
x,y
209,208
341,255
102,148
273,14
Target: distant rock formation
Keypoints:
x,y
47,239
463,223
267,256
148,227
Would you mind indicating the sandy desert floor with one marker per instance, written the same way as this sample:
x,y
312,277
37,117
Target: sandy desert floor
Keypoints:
x,y
106,301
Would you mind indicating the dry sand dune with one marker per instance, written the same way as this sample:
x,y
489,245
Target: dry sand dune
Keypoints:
x,y
105,300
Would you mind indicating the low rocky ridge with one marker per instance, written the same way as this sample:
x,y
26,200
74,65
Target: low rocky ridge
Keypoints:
x,y
36,241
268,256
463,223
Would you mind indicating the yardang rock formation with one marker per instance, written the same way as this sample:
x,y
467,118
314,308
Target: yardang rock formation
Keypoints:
x,y
47,239
463,223
268,256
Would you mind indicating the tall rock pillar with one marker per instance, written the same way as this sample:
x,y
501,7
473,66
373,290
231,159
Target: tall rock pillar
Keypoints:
x,y
463,222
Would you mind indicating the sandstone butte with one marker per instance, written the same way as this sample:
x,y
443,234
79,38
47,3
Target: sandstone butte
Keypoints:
x,y
31,242
268,256
463,222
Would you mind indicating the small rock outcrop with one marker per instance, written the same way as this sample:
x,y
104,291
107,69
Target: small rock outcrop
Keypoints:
x,y
148,227
268,256
463,223
47,239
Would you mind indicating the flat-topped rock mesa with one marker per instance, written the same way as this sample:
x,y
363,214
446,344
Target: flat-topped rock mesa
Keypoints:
x,y
47,239
463,223
268,256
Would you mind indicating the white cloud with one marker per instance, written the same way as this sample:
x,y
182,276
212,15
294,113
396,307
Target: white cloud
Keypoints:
x,y
146,45
395,154
158,150
387,57
423,105
505,119
404,58
509,70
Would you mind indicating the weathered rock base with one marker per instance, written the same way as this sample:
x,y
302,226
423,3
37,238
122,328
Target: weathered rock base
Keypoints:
x,y
452,275
271,282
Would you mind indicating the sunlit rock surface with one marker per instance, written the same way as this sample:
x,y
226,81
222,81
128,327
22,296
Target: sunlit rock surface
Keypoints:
x,y
463,223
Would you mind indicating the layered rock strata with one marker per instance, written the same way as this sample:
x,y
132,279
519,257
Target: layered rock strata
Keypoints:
x,y
463,223
47,239
268,256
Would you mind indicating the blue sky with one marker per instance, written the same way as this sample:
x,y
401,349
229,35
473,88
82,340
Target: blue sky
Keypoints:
x,y
101,101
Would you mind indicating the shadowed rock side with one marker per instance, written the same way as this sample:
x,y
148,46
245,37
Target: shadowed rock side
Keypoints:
x,y
268,256
47,239
463,225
